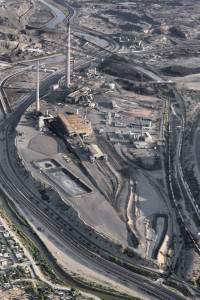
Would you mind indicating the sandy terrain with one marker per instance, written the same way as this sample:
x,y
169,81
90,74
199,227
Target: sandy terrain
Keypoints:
x,y
151,99
13,86
191,82
148,204
77,265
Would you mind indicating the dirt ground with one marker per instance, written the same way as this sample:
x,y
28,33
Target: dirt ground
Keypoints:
x,y
12,294
19,85
191,82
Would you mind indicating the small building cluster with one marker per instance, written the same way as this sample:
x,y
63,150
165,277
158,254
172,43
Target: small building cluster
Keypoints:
x,y
10,251
16,278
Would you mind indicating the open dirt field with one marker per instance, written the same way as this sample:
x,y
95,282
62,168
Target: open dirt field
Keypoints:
x,y
19,85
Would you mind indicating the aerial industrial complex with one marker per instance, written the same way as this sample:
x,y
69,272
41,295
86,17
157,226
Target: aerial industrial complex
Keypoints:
x,y
99,139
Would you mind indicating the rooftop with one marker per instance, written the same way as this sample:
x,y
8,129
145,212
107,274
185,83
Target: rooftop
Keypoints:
x,y
95,151
75,124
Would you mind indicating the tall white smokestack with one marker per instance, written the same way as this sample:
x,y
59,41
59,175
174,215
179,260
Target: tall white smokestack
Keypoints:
x,y
37,89
67,66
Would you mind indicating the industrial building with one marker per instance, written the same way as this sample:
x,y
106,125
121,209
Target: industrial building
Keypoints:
x,y
75,125
114,104
95,152
73,97
141,145
79,94
41,120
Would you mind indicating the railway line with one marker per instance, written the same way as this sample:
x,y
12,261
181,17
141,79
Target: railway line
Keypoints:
x,y
117,164
128,276
115,159
84,252
181,176
114,178
124,274
155,76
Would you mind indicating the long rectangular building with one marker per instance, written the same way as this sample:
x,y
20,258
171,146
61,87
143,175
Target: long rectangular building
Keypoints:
x,y
95,151
75,125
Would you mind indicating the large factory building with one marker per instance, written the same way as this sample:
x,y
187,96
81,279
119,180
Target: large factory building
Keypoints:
x,y
75,125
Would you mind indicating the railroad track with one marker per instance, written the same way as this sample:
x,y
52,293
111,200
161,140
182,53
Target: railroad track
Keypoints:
x,y
124,274
182,183
114,158
145,285
54,228
128,276
113,177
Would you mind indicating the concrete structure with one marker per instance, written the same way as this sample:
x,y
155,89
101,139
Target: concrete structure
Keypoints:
x,y
108,122
133,135
79,94
142,132
112,86
75,125
119,124
37,89
114,104
67,66
140,145
148,137
91,104
31,50
73,97
95,152
108,115
41,122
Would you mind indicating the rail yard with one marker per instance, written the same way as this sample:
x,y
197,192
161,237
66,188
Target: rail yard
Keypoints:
x,y
99,145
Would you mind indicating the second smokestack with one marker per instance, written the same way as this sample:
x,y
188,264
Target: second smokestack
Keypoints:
x,y
67,66
37,89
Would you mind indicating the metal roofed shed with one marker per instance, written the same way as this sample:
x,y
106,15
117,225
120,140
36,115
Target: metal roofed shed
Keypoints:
x,y
75,125
95,151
